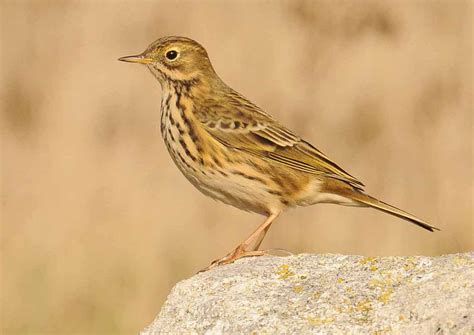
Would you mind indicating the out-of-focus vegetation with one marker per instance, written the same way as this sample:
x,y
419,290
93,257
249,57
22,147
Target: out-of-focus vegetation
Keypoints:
x,y
97,222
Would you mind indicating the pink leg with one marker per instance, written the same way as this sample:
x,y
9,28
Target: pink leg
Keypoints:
x,y
260,238
241,250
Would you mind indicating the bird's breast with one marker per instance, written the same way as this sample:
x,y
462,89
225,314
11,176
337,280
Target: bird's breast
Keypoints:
x,y
180,133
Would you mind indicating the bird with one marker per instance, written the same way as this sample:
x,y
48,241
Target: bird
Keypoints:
x,y
235,152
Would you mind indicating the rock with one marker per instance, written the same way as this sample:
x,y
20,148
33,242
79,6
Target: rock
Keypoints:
x,y
325,294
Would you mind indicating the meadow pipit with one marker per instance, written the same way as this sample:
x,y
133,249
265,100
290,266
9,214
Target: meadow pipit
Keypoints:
x,y
233,151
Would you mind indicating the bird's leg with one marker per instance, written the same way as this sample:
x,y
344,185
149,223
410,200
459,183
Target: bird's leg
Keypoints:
x,y
260,238
241,250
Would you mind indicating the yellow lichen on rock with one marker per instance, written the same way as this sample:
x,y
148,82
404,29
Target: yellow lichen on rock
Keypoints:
x,y
385,295
317,321
298,288
284,271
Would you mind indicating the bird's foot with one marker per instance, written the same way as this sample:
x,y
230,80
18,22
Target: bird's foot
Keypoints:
x,y
234,255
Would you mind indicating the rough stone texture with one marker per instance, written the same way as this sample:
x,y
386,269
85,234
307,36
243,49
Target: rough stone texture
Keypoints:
x,y
325,294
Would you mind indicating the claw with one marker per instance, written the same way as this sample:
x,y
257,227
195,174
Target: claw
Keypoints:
x,y
237,253
241,251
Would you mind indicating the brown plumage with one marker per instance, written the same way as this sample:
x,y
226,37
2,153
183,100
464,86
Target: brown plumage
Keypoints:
x,y
233,151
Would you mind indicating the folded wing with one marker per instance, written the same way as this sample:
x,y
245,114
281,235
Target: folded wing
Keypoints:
x,y
239,124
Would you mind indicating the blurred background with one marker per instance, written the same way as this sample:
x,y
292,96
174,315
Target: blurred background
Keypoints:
x,y
97,224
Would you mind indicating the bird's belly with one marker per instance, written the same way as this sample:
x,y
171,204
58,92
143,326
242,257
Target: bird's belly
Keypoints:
x,y
225,184
228,184
245,194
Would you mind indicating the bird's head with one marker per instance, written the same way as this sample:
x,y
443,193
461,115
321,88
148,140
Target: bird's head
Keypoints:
x,y
175,59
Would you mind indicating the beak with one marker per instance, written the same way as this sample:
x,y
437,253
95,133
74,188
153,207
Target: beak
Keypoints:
x,y
136,59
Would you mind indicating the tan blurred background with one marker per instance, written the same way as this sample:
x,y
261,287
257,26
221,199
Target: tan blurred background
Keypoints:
x,y
98,224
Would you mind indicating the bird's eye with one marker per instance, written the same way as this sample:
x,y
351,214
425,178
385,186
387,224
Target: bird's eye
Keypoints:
x,y
172,54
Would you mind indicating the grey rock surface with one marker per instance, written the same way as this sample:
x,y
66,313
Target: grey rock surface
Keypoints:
x,y
325,294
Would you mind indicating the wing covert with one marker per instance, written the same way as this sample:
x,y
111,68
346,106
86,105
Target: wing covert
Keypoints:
x,y
243,126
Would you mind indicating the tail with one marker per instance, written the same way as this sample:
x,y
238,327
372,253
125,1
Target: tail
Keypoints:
x,y
384,207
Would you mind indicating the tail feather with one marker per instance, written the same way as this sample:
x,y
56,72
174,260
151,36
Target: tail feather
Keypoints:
x,y
384,207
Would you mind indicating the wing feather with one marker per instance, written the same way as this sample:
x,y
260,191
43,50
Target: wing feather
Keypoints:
x,y
246,127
